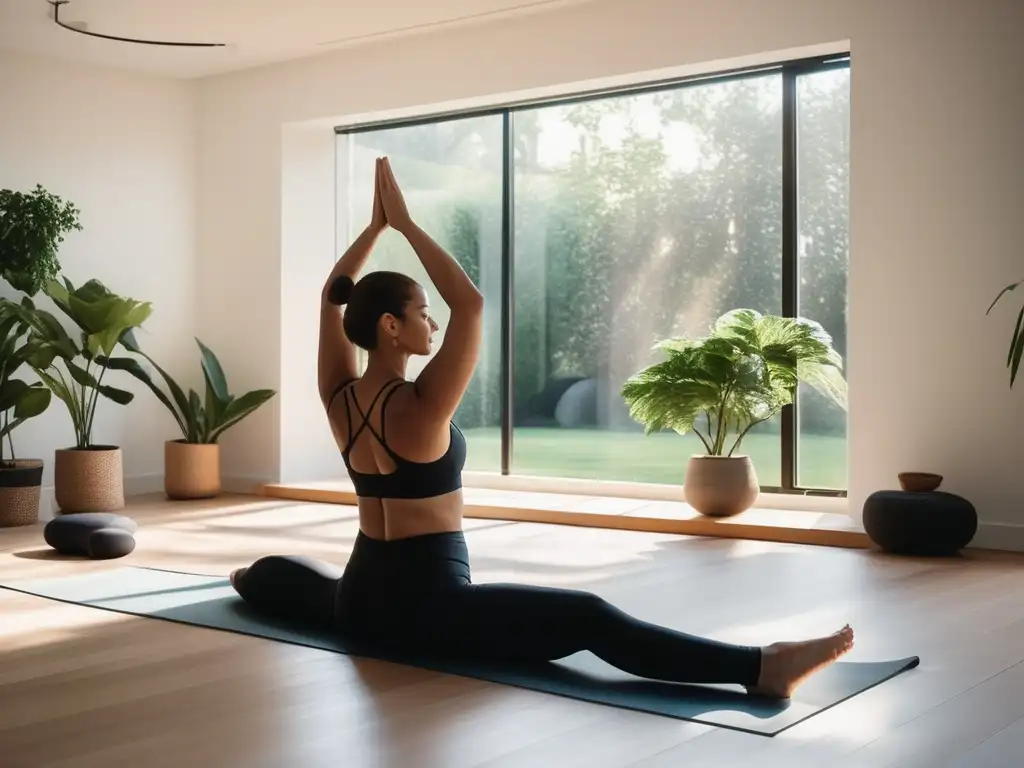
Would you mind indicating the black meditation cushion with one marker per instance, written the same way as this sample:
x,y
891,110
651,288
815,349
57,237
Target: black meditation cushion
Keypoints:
x,y
98,535
920,523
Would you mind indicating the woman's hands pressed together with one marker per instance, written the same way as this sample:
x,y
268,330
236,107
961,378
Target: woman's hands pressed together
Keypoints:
x,y
388,203
378,218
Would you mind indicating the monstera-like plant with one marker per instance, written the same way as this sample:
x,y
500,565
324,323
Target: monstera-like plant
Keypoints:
x,y
74,366
721,386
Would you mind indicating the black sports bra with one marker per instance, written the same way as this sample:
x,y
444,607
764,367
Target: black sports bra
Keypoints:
x,y
411,479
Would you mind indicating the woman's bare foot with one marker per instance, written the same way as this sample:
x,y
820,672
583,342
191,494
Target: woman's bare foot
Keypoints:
x,y
235,574
785,665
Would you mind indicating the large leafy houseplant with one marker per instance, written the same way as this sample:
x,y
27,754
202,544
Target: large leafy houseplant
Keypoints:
x,y
32,227
20,480
1016,351
88,477
720,386
192,463
75,369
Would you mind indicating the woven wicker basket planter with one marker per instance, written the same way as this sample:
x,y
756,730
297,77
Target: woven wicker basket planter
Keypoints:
x,y
191,470
89,479
20,486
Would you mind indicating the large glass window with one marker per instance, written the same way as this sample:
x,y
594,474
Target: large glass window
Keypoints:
x,y
635,217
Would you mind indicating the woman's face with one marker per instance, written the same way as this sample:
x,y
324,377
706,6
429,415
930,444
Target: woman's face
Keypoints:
x,y
416,331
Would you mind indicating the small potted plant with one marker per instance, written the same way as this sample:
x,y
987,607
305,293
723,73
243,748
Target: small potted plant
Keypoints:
x,y
192,462
87,477
724,384
21,480
1016,351
32,227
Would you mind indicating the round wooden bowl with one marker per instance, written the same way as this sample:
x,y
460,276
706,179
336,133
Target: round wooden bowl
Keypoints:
x,y
919,482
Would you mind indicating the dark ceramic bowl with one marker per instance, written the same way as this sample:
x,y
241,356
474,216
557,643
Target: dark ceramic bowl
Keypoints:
x,y
919,482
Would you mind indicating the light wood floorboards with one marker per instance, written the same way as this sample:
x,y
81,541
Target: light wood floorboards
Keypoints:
x,y
81,687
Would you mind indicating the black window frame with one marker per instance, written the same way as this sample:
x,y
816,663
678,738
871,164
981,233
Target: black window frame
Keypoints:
x,y
790,70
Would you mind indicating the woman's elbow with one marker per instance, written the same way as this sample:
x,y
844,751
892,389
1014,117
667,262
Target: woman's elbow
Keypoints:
x,y
472,303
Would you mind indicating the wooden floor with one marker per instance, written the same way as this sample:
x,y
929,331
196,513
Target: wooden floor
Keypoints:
x,y
82,687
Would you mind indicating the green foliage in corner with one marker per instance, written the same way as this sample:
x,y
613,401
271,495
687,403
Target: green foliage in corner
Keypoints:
x,y
1016,350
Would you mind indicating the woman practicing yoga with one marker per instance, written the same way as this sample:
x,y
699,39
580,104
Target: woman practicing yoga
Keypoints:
x,y
406,587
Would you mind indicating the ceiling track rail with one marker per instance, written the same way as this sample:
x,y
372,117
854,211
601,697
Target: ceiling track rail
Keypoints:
x,y
71,27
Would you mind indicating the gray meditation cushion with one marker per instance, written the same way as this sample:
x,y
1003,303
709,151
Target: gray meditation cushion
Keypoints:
x,y
97,535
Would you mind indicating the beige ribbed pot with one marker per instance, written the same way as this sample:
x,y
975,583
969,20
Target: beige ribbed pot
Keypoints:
x,y
20,484
720,486
191,470
89,479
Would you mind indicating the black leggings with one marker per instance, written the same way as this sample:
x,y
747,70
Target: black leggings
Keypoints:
x,y
415,596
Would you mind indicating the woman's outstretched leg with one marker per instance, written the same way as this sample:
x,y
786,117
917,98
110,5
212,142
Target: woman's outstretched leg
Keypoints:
x,y
292,587
527,623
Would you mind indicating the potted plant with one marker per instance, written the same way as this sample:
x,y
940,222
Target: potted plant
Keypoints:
x,y
21,480
87,477
1016,350
723,385
32,226
192,462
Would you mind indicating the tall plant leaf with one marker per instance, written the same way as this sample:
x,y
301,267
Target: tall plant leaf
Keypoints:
x,y
213,372
1006,290
217,396
239,409
1016,348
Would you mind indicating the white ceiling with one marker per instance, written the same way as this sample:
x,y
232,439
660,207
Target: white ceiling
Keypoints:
x,y
257,31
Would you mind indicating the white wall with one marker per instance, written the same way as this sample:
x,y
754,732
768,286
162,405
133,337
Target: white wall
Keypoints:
x,y
936,191
123,148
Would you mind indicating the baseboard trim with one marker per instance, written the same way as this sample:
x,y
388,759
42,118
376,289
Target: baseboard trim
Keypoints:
x,y
1004,537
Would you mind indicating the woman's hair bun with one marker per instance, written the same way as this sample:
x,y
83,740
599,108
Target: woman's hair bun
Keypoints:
x,y
341,290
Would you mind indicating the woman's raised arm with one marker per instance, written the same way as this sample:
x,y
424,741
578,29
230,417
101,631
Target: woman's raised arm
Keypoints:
x,y
336,357
444,379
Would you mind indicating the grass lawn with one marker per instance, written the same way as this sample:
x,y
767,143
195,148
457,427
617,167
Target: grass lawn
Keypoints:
x,y
630,456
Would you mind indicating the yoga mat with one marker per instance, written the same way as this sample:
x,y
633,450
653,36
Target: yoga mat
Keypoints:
x,y
209,601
